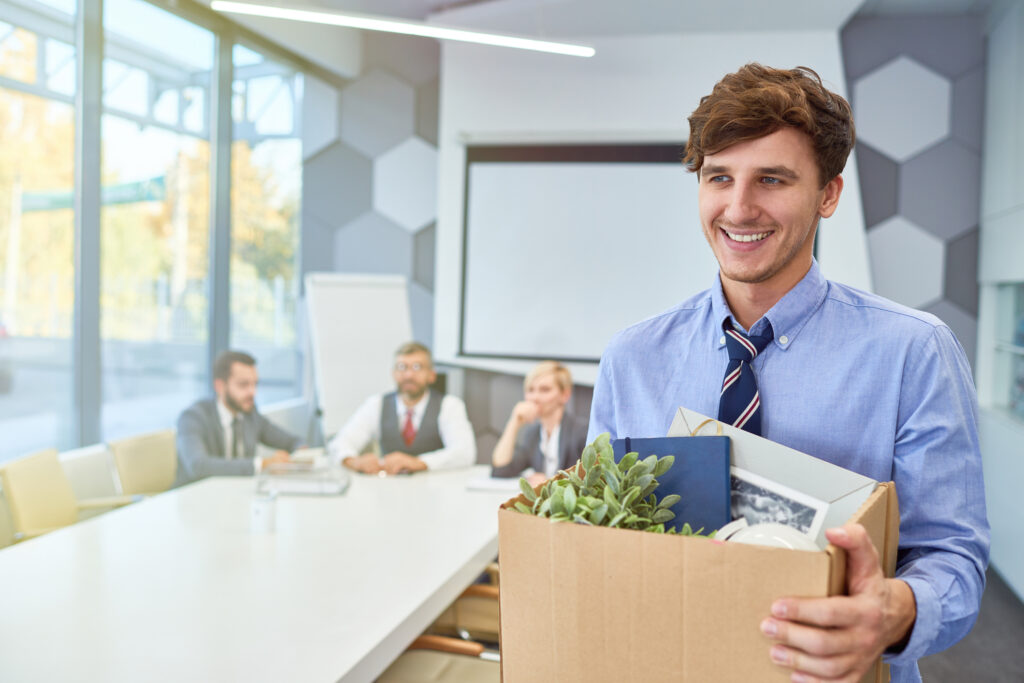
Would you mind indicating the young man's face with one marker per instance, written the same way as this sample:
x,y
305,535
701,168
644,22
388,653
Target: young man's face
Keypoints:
x,y
238,391
760,201
413,373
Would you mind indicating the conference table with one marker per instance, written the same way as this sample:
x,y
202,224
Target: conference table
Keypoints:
x,y
185,586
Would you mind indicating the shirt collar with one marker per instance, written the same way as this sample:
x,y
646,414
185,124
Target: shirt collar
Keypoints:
x,y
417,410
789,314
226,416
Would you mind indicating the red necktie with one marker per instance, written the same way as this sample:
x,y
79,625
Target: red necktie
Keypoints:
x,y
408,430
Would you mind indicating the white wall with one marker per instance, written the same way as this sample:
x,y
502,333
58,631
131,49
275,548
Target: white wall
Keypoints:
x,y
1000,260
638,88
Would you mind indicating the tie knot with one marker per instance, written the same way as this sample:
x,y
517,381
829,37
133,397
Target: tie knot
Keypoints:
x,y
745,347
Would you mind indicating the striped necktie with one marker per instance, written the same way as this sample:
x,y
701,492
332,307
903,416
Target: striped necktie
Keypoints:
x,y
740,403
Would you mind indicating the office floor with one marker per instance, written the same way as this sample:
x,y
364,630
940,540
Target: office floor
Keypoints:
x,y
993,652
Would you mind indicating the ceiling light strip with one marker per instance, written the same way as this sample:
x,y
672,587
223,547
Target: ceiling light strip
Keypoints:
x,y
413,28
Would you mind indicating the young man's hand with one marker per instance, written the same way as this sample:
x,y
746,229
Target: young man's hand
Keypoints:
x,y
397,462
840,637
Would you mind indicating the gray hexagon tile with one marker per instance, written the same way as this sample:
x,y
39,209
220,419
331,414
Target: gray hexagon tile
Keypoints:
x,y
423,256
940,190
337,184
319,115
414,60
879,177
969,108
427,109
421,309
317,244
950,45
405,184
962,272
907,263
373,244
506,392
963,325
902,108
377,112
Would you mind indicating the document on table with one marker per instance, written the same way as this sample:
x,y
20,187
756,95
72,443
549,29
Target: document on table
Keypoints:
x,y
509,484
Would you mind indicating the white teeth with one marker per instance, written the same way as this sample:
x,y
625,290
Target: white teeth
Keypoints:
x,y
747,238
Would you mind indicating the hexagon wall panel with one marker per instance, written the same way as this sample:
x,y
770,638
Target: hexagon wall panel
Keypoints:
x,y
879,178
428,98
423,256
925,198
902,108
968,113
373,244
377,112
319,115
405,184
962,272
337,184
907,263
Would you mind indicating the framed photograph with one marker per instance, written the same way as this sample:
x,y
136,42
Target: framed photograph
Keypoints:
x,y
760,499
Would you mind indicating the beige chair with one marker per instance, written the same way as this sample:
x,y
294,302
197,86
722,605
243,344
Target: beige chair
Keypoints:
x,y
436,659
39,495
146,464
473,615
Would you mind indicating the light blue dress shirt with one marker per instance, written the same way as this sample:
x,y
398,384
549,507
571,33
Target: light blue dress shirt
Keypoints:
x,y
851,378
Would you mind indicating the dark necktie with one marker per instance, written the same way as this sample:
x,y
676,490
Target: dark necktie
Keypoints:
x,y
236,438
740,403
408,429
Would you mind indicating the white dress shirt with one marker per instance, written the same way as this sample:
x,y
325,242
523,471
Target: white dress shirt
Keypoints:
x,y
227,419
452,424
549,449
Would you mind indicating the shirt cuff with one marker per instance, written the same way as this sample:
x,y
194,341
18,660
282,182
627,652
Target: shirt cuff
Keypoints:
x,y
926,623
257,464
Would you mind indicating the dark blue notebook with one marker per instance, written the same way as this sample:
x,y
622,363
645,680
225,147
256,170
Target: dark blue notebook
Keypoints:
x,y
700,476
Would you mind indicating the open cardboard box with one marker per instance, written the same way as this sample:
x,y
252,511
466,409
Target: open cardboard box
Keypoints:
x,y
582,603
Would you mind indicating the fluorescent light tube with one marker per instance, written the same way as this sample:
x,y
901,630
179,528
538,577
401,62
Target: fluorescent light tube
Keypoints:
x,y
370,22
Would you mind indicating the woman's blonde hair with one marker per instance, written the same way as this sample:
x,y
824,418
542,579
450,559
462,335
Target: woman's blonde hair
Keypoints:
x,y
563,378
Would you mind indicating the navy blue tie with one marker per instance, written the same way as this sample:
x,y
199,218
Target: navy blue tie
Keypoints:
x,y
740,403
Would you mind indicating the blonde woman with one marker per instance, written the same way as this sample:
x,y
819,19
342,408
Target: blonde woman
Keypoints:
x,y
541,436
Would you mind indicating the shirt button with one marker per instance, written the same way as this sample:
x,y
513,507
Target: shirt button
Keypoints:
x,y
722,340
783,339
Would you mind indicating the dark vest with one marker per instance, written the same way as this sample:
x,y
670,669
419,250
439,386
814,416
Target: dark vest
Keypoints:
x,y
428,437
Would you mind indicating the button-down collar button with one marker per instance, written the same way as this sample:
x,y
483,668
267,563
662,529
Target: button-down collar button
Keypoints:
x,y
783,339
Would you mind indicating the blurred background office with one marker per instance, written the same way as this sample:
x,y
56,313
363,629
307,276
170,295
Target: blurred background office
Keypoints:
x,y
169,174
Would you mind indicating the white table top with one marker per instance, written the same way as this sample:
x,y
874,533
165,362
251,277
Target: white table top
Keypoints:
x,y
179,588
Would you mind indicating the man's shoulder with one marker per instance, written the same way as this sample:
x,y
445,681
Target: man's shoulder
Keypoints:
x,y
684,316
202,407
890,316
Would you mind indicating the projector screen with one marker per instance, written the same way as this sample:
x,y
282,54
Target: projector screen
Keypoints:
x,y
565,245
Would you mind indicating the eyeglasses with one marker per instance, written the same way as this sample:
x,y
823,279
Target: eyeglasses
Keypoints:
x,y
415,367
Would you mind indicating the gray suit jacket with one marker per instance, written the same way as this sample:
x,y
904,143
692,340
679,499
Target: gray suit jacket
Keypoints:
x,y
572,439
201,442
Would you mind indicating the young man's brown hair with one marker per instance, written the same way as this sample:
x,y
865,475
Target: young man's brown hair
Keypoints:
x,y
758,100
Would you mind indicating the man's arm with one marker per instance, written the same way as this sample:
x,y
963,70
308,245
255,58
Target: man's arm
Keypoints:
x,y
275,437
456,435
196,459
362,428
944,534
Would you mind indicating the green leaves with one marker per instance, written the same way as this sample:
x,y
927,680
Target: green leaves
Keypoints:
x,y
600,492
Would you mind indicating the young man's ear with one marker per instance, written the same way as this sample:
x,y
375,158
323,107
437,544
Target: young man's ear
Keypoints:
x,y
830,197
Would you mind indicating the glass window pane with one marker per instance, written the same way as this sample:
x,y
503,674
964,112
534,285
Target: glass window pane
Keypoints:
x,y
154,220
18,53
36,273
266,176
60,67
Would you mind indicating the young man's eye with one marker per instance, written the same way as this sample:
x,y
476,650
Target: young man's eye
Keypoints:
x,y
768,180
718,179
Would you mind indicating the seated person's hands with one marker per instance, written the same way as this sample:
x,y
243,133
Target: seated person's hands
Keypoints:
x,y
278,458
397,462
524,412
367,463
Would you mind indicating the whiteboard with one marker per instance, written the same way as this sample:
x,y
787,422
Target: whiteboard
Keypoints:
x,y
560,256
356,322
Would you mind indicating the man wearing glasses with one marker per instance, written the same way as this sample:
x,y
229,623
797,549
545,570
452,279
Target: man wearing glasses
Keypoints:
x,y
417,428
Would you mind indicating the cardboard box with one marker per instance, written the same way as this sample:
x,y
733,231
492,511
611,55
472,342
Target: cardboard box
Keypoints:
x,y
582,603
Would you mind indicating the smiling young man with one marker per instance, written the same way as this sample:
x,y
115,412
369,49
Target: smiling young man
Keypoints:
x,y
844,375
416,428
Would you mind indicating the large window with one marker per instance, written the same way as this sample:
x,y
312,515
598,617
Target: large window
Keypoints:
x,y
155,216
37,81
266,191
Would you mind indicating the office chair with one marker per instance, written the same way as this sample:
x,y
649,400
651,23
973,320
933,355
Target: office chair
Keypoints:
x,y
473,615
147,463
40,498
437,659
